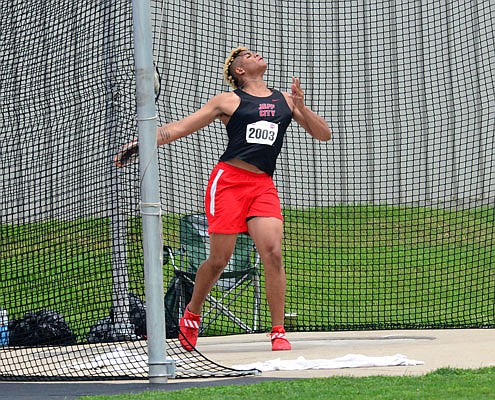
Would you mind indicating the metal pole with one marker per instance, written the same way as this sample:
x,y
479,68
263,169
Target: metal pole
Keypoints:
x,y
122,327
160,368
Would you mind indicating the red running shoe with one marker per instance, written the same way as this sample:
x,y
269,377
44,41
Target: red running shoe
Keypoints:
x,y
189,329
279,340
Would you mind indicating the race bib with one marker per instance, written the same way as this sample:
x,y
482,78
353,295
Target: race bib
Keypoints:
x,y
262,132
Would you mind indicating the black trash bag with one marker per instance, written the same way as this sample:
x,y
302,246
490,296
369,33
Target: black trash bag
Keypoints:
x,y
137,315
102,331
137,311
44,327
172,306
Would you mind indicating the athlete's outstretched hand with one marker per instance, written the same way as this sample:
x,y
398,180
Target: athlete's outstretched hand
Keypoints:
x,y
297,93
315,125
127,154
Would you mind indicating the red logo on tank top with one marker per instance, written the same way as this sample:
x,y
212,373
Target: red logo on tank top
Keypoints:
x,y
266,110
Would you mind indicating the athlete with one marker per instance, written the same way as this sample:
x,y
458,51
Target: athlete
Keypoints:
x,y
241,196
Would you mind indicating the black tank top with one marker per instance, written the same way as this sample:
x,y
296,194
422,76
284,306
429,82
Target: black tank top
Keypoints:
x,y
256,130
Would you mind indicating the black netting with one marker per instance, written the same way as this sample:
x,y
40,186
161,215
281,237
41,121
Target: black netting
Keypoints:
x,y
388,225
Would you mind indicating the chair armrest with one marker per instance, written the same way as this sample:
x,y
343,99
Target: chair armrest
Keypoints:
x,y
168,254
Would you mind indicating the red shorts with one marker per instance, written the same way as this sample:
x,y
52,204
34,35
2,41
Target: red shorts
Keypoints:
x,y
233,195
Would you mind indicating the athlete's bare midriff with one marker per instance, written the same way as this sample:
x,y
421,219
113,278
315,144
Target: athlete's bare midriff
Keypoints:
x,y
237,162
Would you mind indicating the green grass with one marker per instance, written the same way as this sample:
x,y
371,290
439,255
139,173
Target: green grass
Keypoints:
x,y
445,384
67,266
353,267
375,266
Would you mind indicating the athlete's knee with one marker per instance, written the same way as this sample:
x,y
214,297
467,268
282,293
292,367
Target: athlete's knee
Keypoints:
x,y
218,262
272,255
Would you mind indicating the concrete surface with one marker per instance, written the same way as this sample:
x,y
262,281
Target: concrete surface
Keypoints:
x,y
459,348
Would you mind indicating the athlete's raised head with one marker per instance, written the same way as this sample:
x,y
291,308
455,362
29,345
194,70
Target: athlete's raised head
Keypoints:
x,y
241,64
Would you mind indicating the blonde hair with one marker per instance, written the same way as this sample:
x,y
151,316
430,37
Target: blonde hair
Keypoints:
x,y
227,74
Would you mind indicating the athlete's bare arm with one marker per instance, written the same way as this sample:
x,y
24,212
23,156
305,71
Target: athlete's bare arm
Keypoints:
x,y
221,107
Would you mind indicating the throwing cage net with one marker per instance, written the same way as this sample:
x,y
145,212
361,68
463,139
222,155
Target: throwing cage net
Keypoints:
x,y
388,225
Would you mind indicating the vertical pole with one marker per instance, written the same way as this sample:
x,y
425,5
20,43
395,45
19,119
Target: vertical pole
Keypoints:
x,y
159,367
122,327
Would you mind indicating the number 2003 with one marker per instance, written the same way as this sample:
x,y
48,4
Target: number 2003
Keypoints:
x,y
257,133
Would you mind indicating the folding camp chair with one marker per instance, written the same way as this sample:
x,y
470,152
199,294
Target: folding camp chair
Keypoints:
x,y
236,296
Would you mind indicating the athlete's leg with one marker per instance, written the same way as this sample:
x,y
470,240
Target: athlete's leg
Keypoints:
x,y
221,249
267,234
